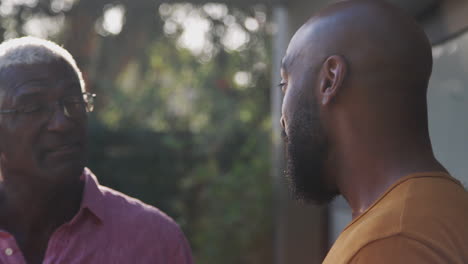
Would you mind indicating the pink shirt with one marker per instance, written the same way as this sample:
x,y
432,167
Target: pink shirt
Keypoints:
x,y
110,227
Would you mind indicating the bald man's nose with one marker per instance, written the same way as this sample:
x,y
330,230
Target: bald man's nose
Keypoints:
x,y
283,124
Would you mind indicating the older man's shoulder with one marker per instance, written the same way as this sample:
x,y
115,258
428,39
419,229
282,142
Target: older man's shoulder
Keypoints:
x,y
131,211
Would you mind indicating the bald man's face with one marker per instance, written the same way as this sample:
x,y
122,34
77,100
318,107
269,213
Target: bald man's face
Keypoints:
x,y
306,142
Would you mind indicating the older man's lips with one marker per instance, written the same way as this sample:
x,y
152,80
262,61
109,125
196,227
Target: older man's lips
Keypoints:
x,y
70,149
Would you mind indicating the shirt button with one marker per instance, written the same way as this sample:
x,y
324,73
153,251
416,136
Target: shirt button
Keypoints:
x,y
9,251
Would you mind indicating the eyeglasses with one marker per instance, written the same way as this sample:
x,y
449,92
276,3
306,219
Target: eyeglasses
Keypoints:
x,y
73,107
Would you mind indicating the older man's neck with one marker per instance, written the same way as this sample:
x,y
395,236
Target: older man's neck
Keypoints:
x,y
26,208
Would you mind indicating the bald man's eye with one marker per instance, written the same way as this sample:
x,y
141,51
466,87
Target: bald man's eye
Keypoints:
x,y
282,86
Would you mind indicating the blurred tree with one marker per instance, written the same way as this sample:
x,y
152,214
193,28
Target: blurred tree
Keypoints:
x,y
182,120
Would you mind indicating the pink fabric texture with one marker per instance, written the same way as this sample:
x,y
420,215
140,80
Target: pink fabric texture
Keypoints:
x,y
110,227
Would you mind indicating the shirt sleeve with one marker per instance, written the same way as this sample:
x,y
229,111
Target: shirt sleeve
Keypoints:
x,y
398,249
182,254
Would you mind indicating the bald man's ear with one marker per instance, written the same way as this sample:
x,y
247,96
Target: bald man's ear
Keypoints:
x,y
332,75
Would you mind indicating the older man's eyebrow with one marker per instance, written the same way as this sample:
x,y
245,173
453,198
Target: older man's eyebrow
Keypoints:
x,y
37,81
29,88
29,94
42,83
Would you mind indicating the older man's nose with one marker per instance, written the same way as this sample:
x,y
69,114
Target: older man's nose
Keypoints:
x,y
283,124
58,120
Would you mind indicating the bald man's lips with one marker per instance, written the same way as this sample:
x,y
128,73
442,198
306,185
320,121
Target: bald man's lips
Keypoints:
x,y
284,136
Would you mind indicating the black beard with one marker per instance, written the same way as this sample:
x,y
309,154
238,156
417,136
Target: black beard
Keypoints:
x,y
306,154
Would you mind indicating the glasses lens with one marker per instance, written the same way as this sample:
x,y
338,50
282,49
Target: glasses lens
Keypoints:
x,y
74,109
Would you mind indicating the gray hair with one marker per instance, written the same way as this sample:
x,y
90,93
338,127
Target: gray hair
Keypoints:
x,y
32,50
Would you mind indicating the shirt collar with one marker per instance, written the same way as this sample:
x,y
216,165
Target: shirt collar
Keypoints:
x,y
93,198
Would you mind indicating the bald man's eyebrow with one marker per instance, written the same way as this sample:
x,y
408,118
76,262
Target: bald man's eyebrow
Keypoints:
x,y
284,64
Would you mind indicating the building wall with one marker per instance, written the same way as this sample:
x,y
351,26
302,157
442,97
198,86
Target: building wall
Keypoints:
x,y
448,105
448,89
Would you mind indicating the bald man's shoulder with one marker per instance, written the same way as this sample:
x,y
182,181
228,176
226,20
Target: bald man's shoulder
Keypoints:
x,y
420,219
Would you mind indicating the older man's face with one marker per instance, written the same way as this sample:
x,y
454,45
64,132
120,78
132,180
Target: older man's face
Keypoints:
x,y
50,146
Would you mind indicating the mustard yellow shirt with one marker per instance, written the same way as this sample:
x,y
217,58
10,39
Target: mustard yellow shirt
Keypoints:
x,y
422,218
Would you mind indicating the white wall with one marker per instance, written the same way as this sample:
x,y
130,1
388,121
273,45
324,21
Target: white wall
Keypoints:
x,y
448,105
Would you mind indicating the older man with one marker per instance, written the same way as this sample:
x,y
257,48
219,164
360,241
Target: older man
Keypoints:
x,y
355,123
52,209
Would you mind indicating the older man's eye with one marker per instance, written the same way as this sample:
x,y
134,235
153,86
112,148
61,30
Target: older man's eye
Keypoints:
x,y
33,108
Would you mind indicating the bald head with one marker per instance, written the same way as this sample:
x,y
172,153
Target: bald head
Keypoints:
x,y
355,79
378,41
374,54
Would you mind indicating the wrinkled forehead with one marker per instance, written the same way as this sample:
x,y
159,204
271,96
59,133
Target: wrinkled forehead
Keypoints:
x,y
41,77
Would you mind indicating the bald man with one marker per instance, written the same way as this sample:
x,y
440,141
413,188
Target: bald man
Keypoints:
x,y
355,123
